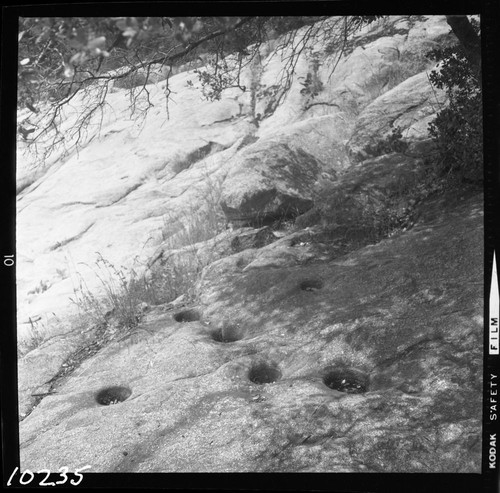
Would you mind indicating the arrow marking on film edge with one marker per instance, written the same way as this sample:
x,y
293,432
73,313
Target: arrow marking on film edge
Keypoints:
x,y
494,310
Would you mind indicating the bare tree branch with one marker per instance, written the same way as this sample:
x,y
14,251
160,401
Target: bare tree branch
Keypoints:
x,y
87,79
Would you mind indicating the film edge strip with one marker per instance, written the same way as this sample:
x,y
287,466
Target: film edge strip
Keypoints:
x,y
490,424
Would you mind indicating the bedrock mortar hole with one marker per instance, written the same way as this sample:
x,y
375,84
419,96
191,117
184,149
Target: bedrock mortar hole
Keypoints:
x,y
261,373
191,315
113,395
349,380
231,333
311,284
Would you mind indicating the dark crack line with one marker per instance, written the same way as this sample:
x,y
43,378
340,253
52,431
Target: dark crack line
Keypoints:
x,y
321,104
62,243
78,202
230,119
121,197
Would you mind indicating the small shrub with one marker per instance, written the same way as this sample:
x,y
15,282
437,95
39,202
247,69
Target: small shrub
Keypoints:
x,y
410,63
168,279
392,143
355,217
33,339
215,77
185,242
192,227
200,222
457,129
118,299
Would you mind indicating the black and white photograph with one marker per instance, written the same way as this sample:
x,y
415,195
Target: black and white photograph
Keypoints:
x,y
252,244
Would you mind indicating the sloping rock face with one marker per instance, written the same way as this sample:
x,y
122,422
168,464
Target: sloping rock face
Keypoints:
x,y
409,106
118,193
296,354
269,182
368,362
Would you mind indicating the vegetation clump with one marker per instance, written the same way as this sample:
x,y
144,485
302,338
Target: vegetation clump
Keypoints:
x,y
457,130
391,143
